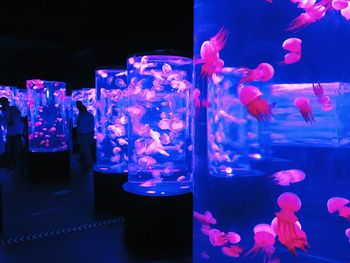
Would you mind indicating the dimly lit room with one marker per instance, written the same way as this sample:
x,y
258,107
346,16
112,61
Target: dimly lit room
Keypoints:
x,y
174,132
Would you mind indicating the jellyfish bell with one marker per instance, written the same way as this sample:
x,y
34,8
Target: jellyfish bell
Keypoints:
x,y
264,228
247,94
289,201
347,233
339,4
303,104
292,44
291,58
217,238
264,72
336,203
233,237
305,4
346,12
296,175
232,251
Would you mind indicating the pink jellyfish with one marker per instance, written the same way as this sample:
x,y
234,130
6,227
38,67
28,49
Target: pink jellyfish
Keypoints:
x,y
293,45
218,238
264,238
322,99
250,97
263,72
338,204
289,232
311,15
339,4
303,104
346,12
232,251
287,177
210,53
347,233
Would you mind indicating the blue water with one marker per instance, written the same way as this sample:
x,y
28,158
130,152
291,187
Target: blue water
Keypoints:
x,y
160,143
235,155
48,116
111,121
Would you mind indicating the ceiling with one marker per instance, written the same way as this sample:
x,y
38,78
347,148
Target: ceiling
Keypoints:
x,y
66,40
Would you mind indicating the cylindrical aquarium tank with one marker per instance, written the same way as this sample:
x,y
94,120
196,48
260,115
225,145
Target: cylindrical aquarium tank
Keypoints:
x,y
111,121
87,97
47,119
20,100
271,182
160,143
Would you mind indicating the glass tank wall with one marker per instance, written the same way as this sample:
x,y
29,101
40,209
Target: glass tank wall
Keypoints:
x,y
9,93
20,100
160,143
47,119
111,121
271,181
87,97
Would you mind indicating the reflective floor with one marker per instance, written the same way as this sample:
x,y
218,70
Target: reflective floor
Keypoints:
x,y
56,222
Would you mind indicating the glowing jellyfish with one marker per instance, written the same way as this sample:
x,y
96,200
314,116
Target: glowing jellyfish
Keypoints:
x,y
259,108
339,4
219,238
206,218
289,233
210,53
303,104
339,204
346,12
322,99
265,239
311,15
347,233
263,72
293,45
287,177
232,251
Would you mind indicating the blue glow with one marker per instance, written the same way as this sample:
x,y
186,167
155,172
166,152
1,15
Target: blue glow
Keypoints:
x,y
160,143
47,119
286,135
87,96
111,121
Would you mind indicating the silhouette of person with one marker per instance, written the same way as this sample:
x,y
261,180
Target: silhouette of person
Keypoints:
x,y
85,133
14,132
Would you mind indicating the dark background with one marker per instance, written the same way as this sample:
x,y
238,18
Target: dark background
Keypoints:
x,y
67,40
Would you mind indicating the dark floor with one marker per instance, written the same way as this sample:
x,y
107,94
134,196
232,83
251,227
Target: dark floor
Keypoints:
x,y
56,222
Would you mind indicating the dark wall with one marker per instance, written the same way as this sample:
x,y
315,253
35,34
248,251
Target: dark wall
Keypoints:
x,y
67,40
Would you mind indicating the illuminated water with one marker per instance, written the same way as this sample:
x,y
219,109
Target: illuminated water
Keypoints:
x,y
235,170
47,119
111,121
85,95
160,145
21,101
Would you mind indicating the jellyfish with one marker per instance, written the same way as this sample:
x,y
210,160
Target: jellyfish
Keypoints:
x,y
346,12
303,104
293,45
339,4
210,53
250,97
219,238
322,99
347,233
232,251
263,72
339,204
305,4
288,231
265,239
287,177
311,15
206,218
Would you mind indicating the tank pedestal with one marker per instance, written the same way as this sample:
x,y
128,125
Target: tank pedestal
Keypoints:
x,y
108,192
49,166
158,227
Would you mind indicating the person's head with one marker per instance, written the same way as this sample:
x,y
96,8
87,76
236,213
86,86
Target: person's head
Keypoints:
x,y
79,104
4,102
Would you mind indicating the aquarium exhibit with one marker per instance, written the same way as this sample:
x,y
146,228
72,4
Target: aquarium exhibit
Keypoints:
x,y
111,121
271,98
160,124
87,97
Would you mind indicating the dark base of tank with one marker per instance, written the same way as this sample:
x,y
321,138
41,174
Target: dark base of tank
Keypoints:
x,y
108,192
157,227
49,166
